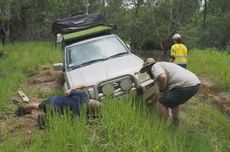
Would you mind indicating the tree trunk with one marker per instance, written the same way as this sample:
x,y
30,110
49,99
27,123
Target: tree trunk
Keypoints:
x,y
103,9
5,26
174,18
87,6
135,18
205,14
203,40
171,18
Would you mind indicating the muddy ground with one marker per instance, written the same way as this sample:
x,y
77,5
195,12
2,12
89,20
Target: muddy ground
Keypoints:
x,y
45,81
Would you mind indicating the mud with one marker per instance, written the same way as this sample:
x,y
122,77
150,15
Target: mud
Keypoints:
x,y
221,99
45,81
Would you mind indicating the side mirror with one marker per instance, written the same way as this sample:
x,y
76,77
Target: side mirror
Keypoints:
x,y
58,66
59,38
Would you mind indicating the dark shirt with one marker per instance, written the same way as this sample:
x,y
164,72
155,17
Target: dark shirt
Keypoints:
x,y
73,102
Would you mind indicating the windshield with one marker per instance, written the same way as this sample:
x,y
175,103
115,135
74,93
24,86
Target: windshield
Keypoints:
x,y
94,51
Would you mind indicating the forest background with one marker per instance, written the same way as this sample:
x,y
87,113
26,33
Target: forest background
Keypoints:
x,y
142,23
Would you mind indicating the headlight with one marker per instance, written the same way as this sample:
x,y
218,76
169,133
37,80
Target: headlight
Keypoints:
x,y
108,89
126,84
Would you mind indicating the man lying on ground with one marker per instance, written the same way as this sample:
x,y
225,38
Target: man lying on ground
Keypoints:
x,y
73,101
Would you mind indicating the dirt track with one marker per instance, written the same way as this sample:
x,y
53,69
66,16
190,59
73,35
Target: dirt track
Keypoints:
x,y
42,83
221,99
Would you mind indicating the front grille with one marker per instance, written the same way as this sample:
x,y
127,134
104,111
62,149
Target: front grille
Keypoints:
x,y
116,85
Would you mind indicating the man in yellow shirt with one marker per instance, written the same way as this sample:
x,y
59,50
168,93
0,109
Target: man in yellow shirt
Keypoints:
x,y
179,52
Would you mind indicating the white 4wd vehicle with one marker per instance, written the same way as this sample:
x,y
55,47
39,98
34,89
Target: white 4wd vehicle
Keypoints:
x,y
104,65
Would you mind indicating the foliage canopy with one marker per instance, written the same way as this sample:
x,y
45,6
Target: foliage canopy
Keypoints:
x,y
202,23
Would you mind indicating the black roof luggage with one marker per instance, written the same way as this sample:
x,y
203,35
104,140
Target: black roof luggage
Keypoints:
x,y
77,22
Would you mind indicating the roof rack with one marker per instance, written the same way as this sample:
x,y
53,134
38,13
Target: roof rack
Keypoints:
x,y
86,33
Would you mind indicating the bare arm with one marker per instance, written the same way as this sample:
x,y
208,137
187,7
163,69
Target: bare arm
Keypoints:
x,y
172,55
74,88
162,78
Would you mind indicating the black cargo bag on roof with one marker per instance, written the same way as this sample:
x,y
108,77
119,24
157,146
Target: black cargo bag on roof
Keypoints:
x,y
77,22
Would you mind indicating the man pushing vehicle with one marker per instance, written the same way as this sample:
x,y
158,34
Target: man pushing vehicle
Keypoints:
x,y
176,86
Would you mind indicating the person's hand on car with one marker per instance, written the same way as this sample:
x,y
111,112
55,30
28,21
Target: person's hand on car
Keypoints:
x,y
67,92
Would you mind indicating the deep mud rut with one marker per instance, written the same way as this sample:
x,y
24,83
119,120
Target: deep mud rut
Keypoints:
x,y
42,83
221,99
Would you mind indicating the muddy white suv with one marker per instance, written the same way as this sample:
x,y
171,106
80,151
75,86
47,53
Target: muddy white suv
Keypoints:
x,y
104,64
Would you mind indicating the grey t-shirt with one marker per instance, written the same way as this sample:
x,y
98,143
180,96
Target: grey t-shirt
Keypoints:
x,y
176,76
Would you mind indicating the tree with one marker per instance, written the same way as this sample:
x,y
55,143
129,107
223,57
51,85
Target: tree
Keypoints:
x,y
135,17
217,24
200,22
5,14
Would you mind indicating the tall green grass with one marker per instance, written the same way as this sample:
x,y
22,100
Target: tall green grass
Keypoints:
x,y
19,61
213,63
124,126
